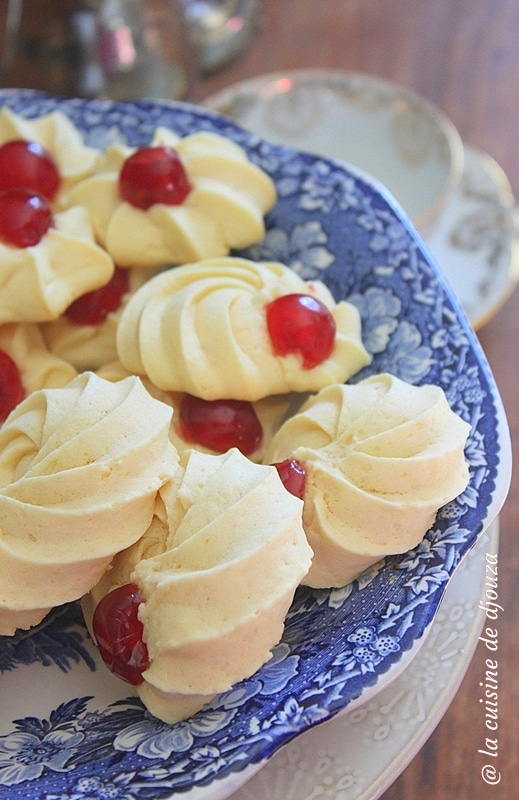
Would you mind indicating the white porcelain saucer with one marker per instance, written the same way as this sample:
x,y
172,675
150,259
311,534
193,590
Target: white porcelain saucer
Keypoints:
x,y
473,233
475,239
377,126
358,755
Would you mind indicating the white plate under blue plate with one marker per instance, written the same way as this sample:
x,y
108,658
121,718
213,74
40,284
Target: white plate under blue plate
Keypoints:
x,y
359,754
68,729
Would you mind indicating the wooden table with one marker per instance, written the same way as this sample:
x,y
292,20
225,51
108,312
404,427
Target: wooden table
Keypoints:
x,y
463,56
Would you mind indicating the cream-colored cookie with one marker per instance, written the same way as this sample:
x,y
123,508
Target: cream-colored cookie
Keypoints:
x,y
39,368
39,282
58,135
217,571
80,468
381,458
201,328
224,208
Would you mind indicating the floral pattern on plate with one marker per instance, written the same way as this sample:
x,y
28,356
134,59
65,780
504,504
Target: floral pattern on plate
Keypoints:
x,y
67,730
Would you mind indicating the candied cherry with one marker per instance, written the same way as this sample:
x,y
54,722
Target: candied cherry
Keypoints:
x,y
293,476
25,217
27,165
220,424
92,308
11,386
153,175
300,323
118,632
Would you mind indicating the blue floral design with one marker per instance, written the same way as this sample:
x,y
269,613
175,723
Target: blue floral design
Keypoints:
x,y
95,787
25,755
380,308
406,355
370,647
152,739
303,248
329,223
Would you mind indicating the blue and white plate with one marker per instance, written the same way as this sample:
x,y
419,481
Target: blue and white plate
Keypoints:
x,y
68,729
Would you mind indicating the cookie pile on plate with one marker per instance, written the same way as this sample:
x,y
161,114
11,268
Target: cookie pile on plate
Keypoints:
x,y
179,445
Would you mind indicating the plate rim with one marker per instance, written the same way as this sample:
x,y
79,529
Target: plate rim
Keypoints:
x,y
502,435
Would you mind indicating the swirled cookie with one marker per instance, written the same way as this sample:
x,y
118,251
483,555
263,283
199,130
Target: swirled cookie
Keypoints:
x,y
202,328
381,457
216,571
59,137
80,467
221,206
37,368
37,283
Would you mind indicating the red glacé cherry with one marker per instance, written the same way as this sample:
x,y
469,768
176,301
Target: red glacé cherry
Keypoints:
x,y
11,387
27,165
153,175
118,632
293,476
299,323
25,218
220,424
92,308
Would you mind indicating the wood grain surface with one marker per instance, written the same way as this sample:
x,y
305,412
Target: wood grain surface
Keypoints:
x,y
463,56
